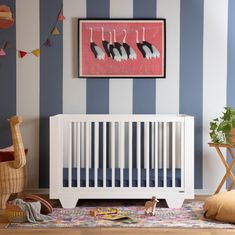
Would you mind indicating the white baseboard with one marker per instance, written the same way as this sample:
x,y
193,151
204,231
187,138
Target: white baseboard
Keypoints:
x,y
207,191
36,191
204,192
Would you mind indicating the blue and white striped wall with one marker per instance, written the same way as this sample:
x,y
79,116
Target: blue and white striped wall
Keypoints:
x,y
200,73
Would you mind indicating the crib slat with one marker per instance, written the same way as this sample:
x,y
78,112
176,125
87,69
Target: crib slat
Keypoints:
x,y
182,154
130,153
88,124
146,153
70,154
104,154
78,153
138,146
82,145
113,152
152,145
96,154
156,154
122,154
173,154
164,156
160,140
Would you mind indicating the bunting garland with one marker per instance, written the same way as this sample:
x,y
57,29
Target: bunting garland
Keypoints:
x,y
61,16
36,52
55,31
48,43
22,54
2,52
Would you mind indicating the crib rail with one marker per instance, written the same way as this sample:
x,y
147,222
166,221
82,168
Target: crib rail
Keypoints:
x,y
121,152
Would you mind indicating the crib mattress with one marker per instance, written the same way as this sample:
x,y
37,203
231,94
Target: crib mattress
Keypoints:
x,y
125,177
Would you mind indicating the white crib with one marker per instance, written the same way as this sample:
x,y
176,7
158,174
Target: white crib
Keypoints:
x,y
121,156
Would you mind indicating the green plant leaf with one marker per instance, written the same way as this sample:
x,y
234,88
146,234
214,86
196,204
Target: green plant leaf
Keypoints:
x,y
216,119
224,126
213,126
213,135
227,116
233,123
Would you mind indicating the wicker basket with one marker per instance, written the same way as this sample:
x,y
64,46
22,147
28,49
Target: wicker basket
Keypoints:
x,y
14,213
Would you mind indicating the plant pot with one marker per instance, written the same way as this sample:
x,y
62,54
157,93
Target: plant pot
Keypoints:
x,y
231,137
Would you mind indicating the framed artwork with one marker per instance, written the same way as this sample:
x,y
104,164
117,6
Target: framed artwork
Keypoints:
x,y
122,48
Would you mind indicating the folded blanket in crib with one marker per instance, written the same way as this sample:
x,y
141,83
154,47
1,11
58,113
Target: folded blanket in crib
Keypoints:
x,y
31,210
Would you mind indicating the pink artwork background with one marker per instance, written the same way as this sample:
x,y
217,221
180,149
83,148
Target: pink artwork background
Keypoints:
x,y
90,66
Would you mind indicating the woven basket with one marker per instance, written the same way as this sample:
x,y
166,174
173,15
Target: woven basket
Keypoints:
x,y
14,213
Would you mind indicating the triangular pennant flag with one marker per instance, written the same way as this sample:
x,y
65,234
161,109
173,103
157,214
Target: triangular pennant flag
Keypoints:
x,y
55,31
48,43
22,54
36,52
2,52
7,45
61,16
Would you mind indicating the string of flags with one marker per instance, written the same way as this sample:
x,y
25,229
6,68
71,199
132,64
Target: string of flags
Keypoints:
x,y
36,52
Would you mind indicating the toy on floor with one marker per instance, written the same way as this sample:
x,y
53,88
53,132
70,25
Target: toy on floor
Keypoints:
x,y
98,211
150,206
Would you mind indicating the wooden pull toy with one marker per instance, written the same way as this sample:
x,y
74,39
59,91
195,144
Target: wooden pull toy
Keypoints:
x,y
98,211
150,206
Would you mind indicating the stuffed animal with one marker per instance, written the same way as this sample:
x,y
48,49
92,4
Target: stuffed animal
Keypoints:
x,y
150,206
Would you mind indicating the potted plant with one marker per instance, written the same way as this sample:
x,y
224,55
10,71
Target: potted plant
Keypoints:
x,y
222,129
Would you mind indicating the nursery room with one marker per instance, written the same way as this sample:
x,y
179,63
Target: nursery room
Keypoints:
x,y
117,116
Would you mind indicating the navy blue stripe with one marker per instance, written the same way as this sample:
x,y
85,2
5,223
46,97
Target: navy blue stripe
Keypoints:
x,y
144,89
97,96
7,80
231,62
145,9
97,89
51,81
191,72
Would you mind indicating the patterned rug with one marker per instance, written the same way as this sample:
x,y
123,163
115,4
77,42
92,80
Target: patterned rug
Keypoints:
x,y
189,216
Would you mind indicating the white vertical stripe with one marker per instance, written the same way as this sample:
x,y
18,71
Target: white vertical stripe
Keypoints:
x,y
27,82
214,83
167,90
74,90
121,94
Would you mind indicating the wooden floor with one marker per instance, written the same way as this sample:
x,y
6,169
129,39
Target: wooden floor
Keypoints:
x,y
112,231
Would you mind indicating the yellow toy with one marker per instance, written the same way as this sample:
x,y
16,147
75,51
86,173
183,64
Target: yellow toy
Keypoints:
x,y
98,211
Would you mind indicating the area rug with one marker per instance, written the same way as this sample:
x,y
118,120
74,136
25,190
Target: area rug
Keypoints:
x,y
189,216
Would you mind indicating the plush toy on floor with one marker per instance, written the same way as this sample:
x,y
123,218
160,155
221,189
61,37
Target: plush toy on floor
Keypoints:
x,y
150,206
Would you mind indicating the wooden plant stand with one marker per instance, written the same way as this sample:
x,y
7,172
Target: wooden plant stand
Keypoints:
x,y
229,168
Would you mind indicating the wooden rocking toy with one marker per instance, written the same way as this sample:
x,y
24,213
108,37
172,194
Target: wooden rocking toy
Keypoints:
x,y
13,171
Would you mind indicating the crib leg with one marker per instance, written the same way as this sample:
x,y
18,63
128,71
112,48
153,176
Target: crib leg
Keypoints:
x,y
68,201
175,202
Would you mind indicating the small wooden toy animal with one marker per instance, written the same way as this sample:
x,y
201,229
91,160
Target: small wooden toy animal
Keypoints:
x,y
150,206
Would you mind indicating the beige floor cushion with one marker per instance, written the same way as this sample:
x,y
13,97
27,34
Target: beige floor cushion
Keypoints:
x,y
221,207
